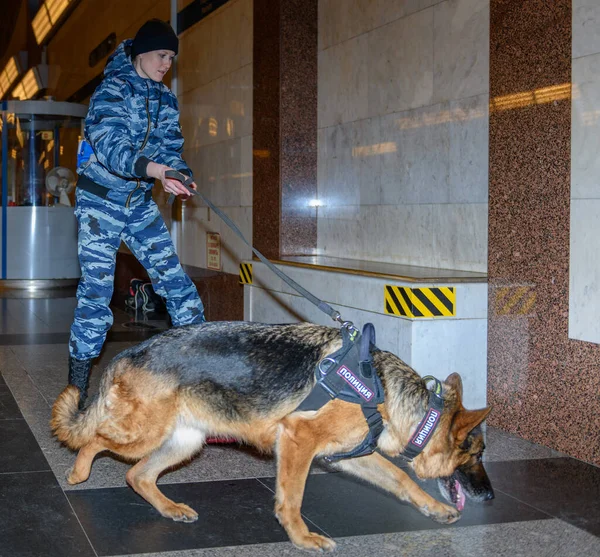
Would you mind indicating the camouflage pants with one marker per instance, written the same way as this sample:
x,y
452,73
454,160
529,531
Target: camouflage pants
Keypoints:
x,y
102,226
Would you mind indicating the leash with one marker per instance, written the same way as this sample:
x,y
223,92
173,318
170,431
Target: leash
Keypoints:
x,y
323,306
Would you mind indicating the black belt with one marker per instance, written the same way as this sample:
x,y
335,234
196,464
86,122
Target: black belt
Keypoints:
x,y
92,187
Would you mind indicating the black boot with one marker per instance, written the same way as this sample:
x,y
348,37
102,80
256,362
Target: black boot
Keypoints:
x,y
79,375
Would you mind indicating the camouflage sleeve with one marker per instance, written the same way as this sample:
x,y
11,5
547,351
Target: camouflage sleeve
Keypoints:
x,y
107,129
172,148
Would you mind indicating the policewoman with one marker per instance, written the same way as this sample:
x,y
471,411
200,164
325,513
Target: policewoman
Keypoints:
x,y
133,137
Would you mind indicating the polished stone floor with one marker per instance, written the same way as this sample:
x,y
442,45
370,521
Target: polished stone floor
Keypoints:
x,y
546,504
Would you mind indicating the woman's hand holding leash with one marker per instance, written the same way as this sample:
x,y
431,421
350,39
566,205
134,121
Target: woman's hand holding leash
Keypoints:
x,y
186,181
170,180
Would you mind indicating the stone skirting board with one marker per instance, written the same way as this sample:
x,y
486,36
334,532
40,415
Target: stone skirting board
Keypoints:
x,y
432,346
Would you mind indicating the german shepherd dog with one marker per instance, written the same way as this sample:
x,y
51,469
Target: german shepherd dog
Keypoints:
x,y
159,400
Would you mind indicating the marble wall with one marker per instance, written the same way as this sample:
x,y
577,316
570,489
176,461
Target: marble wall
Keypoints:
x,y
584,284
403,131
542,385
285,127
215,97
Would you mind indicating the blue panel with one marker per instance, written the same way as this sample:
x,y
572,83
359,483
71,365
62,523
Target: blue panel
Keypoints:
x,y
4,187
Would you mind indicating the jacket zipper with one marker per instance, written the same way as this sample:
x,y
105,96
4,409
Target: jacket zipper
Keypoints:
x,y
149,124
139,185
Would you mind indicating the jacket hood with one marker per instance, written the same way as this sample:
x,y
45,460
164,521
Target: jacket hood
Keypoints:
x,y
119,63
120,66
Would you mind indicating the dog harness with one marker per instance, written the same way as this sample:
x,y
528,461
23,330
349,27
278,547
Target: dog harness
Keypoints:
x,y
349,375
428,424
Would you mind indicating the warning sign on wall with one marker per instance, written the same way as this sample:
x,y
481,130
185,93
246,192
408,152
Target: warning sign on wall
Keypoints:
x,y
419,302
213,251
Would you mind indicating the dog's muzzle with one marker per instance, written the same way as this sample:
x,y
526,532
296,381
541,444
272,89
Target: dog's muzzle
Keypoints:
x,y
467,482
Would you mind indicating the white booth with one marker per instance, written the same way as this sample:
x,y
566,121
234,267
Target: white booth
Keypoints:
x,y
38,230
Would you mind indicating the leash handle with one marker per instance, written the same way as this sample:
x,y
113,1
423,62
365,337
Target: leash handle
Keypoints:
x,y
185,180
323,306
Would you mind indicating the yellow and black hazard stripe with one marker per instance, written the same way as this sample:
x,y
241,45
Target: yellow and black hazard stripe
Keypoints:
x,y
245,273
515,300
404,301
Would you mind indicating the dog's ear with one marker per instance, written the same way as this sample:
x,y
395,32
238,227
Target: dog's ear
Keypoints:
x,y
455,382
466,420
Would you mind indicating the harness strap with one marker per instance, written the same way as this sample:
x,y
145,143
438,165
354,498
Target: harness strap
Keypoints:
x,y
367,340
327,386
369,443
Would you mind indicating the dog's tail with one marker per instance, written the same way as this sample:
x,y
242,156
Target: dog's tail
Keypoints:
x,y
73,427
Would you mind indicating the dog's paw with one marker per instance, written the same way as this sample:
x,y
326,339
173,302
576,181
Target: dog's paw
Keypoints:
x,y
72,479
444,514
180,512
315,542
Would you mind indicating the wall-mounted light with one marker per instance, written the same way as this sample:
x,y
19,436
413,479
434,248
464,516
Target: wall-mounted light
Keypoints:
x,y
230,127
47,17
315,203
8,75
213,127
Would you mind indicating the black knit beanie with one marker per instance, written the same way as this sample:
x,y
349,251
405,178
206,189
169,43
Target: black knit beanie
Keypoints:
x,y
155,34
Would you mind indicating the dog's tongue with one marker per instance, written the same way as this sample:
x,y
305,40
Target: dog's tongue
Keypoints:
x,y
460,496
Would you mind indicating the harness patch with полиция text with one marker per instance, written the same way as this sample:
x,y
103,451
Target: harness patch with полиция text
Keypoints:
x,y
355,383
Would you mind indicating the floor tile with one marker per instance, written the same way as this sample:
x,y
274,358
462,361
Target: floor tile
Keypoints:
x,y
37,520
19,451
118,521
562,487
16,317
30,322
8,406
214,463
344,506
49,294
539,538
32,337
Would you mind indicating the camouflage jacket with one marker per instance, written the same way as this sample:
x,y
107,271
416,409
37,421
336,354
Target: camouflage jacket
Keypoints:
x,y
130,120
